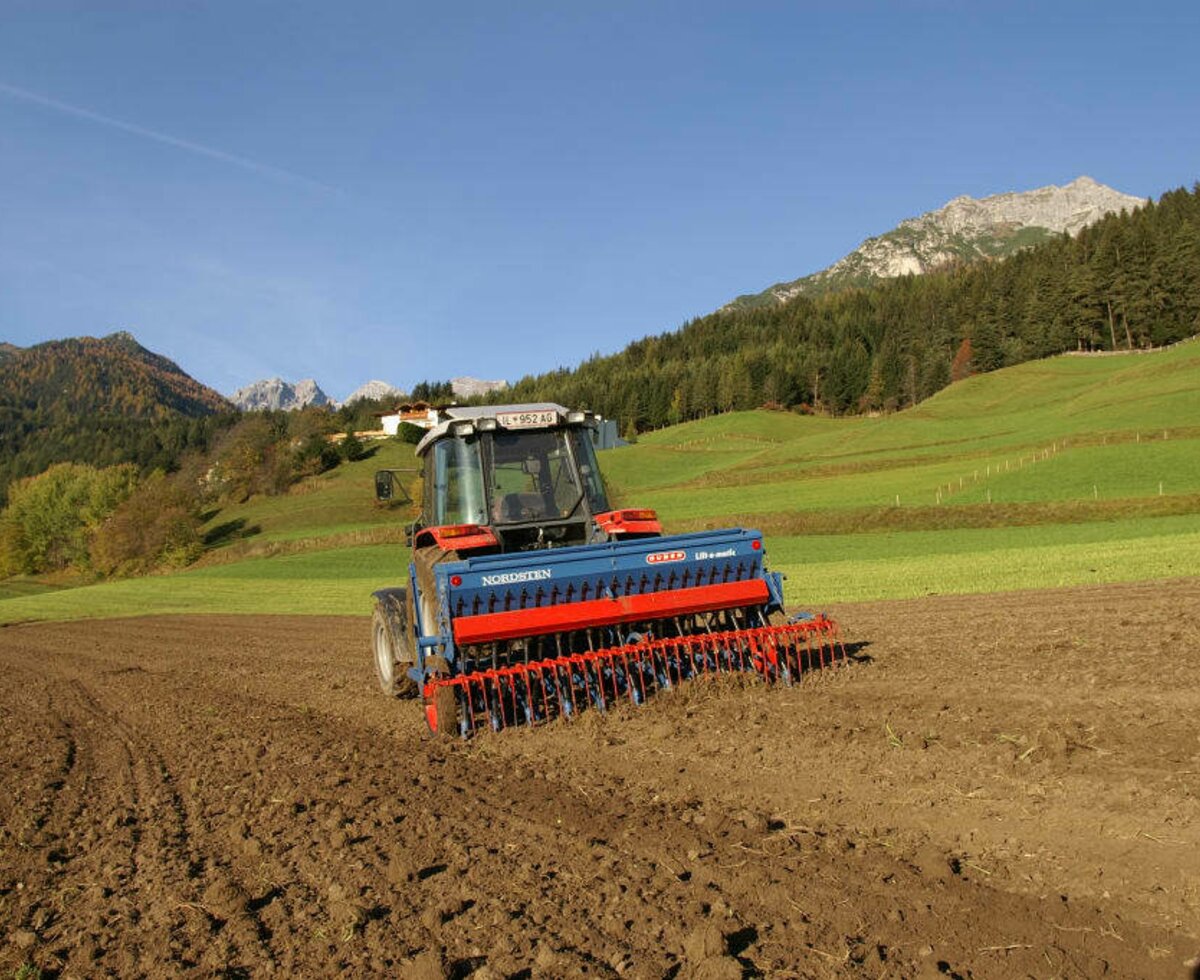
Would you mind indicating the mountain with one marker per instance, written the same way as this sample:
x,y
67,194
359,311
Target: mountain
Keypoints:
x,y
279,395
374,391
113,375
101,401
963,230
467,387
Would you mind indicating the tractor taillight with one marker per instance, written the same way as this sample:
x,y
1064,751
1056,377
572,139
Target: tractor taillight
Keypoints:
x,y
457,537
462,530
638,521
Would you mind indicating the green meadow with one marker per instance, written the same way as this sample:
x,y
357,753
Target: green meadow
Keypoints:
x,y
1066,471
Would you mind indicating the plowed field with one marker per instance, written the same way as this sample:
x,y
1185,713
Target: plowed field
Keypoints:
x,y
998,786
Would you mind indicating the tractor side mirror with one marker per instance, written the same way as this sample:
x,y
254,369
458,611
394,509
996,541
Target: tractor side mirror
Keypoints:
x,y
383,486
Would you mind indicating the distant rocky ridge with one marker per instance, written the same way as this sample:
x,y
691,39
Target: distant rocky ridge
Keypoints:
x,y
466,387
965,229
374,390
275,394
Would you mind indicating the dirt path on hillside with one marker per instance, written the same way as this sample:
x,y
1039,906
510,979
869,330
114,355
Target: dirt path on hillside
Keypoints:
x,y
1001,786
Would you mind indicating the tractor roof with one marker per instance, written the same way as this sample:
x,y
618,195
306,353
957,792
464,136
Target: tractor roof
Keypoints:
x,y
473,413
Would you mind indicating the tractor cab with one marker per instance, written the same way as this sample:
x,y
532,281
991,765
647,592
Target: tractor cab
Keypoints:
x,y
517,478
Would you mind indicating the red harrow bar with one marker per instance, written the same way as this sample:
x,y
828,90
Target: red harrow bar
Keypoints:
x,y
537,691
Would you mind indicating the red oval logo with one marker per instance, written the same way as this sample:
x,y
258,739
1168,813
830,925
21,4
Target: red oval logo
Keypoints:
x,y
661,556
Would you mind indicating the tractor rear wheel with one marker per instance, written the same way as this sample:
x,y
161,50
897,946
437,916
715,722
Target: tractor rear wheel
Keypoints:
x,y
392,651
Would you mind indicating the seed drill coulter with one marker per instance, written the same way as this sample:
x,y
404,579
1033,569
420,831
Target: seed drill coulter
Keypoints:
x,y
530,597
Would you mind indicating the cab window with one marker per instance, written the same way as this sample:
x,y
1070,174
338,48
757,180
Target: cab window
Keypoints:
x,y
454,493
532,477
589,470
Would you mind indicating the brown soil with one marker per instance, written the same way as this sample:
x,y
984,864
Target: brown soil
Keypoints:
x,y
1001,786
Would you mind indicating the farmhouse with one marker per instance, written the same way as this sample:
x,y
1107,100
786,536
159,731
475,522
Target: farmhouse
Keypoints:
x,y
418,413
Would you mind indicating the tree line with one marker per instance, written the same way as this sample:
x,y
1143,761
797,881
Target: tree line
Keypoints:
x,y
1131,280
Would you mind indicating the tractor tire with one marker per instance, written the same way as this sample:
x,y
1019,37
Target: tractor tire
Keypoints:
x,y
392,653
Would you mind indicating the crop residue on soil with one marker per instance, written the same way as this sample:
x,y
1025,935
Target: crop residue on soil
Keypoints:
x,y
1001,786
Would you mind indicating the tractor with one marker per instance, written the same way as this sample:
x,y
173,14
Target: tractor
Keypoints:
x,y
531,597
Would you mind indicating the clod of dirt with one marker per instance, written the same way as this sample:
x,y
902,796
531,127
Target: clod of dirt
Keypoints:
x,y
931,861
223,899
399,870
24,938
754,822
704,942
548,961
1054,743
425,966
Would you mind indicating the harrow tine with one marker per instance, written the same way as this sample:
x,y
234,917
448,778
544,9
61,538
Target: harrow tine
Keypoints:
x,y
838,639
629,678
641,680
758,658
542,685
603,706
470,702
528,705
571,688
740,647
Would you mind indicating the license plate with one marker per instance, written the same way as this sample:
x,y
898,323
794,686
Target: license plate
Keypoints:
x,y
527,420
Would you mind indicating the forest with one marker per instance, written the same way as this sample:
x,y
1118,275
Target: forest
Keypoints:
x,y
1132,280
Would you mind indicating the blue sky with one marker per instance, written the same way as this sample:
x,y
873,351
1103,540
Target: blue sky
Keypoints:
x,y
415,191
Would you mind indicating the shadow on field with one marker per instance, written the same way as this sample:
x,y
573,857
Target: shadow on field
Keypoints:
x,y
854,652
230,531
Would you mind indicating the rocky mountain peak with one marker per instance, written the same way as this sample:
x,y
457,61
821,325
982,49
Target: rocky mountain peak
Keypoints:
x,y
465,387
275,394
964,229
374,390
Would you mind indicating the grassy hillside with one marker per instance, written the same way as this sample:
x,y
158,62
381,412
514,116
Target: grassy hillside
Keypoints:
x,y
320,510
1091,464
1064,430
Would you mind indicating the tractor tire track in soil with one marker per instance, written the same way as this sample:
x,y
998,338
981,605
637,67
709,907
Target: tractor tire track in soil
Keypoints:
x,y
999,786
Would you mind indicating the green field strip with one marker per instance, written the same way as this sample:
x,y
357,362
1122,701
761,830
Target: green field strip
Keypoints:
x,y
888,545
1001,570
820,568
335,582
1081,472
